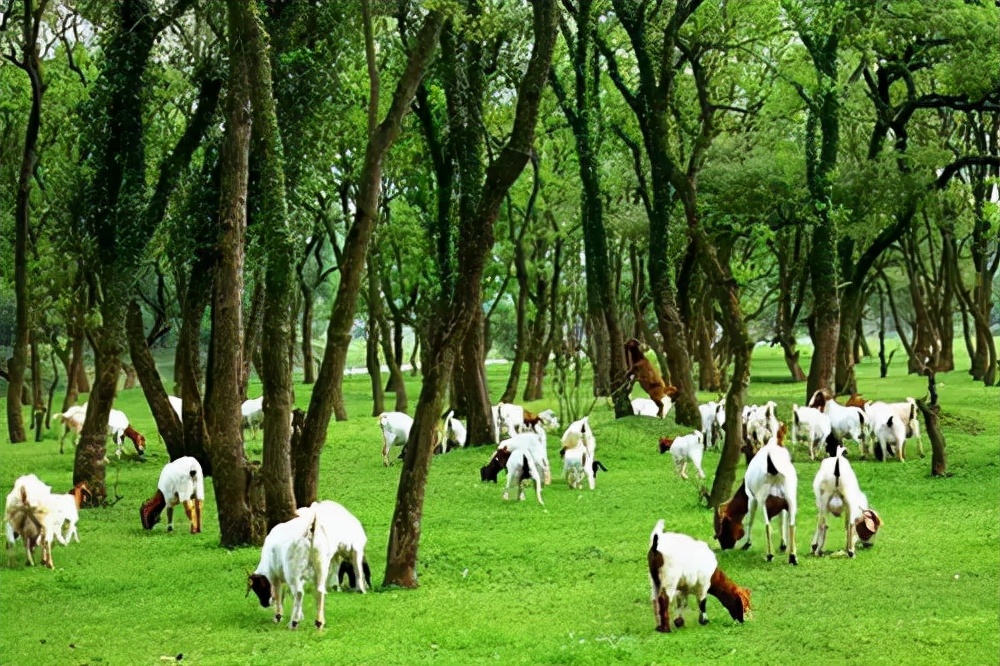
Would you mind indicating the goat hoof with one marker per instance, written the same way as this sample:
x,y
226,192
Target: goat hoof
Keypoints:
x,y
793,560
170,528
770,556
663,628
293,625
703,621
319,625
277,619
783,548
679,622
850,554
746,546
814,546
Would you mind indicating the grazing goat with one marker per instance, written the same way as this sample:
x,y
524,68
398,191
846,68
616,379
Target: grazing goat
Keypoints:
x,y
641,370
507,418
579,447
526,441
346,538
521,466
837,491
845,422
253,415
579,466
549,419
65,509
26,514
181,482
686,447
886,418
680,566
294,552
646,407
713,416
455,435
395,431
770,481
812,423
760,424
119,428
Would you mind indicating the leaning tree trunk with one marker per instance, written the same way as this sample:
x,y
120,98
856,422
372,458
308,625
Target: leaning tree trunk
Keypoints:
x,y
931,411
327,395
474,244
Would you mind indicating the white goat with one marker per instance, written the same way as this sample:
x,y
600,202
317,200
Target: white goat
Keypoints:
x,y
509,418
680,566
889,432
813,424
549,419
64,508
26,514
526,441
686,447
454,432
520,467
903,412
713,416
579,447
345,536
181,482
646,407
252,412
845,422
760,423
72,420
837,491
178,406
294,552
395,431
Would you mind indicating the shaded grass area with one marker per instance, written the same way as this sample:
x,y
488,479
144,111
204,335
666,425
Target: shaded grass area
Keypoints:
x,y
516,583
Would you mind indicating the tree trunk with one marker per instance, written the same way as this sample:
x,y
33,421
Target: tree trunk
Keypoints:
x,y
308,365
75,366
372,341
167,423
19,360
327,395
251,333
131,379
188,369
470,370
939,460
222,403
474,244
600,353
37,405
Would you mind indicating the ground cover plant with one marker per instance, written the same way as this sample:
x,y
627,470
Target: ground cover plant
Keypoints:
x,y
516,583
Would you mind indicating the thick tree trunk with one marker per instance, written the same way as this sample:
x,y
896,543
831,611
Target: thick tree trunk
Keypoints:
x,y
470,370
131,379
600,355
188,369
222,403
252,327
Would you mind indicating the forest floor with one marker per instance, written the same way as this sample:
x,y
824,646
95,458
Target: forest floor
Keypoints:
x,y
518,583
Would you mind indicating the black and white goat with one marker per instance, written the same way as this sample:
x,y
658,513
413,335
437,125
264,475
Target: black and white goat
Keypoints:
x,y
837,492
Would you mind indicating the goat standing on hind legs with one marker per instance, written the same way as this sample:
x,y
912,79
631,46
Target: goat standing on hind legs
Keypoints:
x,y
641,370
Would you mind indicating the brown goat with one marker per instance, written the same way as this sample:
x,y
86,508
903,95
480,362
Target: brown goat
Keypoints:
x,y
729,518
641,370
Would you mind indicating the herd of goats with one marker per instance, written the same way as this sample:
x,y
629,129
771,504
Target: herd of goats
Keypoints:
x,y
325,537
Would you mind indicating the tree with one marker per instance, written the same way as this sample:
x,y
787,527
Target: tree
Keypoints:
x,y
30,63
326,396
474,243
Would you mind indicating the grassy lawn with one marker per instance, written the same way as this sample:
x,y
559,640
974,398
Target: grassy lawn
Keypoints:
x,y
518,583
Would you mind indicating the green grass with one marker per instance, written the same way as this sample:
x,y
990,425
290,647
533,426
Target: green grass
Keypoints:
x,y
518,583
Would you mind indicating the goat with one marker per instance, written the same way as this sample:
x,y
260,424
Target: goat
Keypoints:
x,y
252,412
455,435
646,407
549,419
65,508
508,418
395,431
771,481
837,491
641,370
181,482
178,406
686,447
713,416
26,513
521,466
346,538
813,423
845,422
680,566
72,420
119,428
579,465
294,551
905,413
760,424
527,441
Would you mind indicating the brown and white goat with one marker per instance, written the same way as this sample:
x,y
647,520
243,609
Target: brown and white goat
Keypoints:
x,y
641,370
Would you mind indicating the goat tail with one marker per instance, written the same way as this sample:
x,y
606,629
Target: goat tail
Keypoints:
x,y
771,469
654,538
836,471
